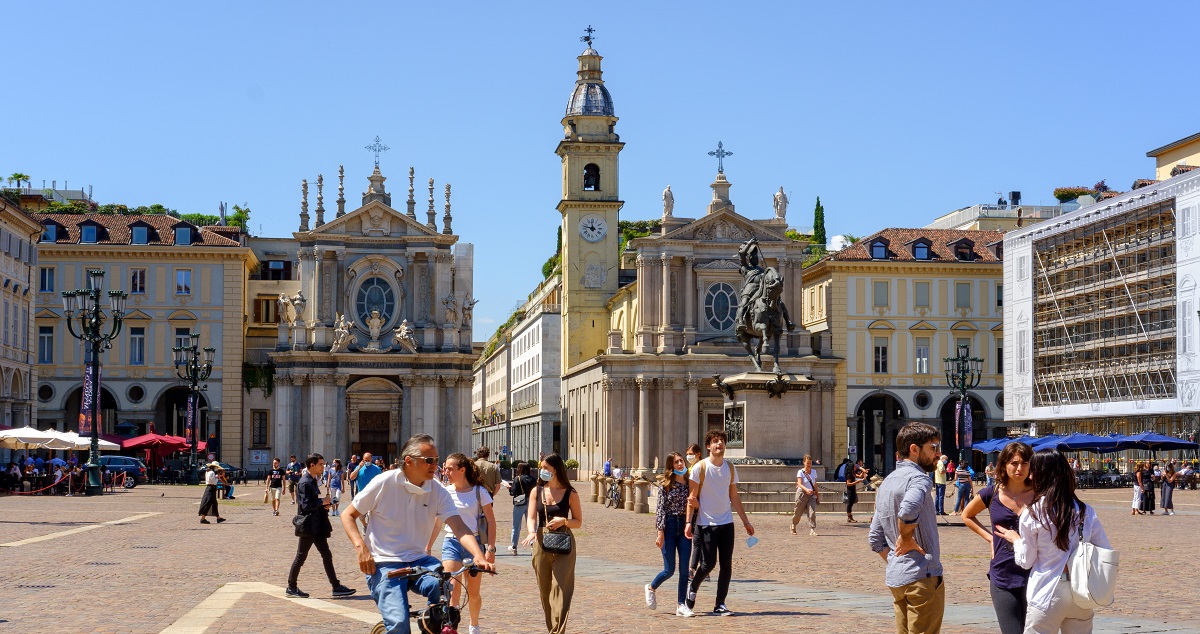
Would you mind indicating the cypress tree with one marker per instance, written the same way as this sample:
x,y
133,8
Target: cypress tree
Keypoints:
x,y
819,224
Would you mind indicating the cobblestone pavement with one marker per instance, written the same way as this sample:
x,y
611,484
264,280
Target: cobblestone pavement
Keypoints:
x,y
139,561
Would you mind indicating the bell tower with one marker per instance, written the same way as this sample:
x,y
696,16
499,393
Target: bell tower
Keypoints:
x,y
590,205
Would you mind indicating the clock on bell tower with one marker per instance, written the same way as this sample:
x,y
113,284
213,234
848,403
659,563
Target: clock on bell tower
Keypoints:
x,y
590,205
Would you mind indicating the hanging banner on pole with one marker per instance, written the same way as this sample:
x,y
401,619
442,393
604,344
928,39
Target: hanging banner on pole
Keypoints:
x,y
964,423
85,404
190,429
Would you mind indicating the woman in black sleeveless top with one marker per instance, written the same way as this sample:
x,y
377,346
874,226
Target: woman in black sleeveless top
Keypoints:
x,y
1147,475
556,507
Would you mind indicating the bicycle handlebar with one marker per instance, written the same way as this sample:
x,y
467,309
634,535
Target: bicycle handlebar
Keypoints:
x,y
416,571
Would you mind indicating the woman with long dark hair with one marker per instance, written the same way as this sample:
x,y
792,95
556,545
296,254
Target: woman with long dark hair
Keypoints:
x,y
521,488
669,519
556,507
1049,532
1004,500
1168,489
1145,477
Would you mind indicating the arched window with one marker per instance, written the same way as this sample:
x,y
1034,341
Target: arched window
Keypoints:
x,y
720,306
591,177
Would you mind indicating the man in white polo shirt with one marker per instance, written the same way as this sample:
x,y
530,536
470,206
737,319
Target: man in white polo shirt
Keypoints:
x,y
404,504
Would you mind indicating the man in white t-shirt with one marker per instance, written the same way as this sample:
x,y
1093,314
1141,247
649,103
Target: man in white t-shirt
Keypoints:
x,y
404,505
712,498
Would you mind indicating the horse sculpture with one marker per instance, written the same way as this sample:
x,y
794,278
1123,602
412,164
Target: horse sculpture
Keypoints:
x,y
764,318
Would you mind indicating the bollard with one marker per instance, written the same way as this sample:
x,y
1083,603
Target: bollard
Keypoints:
x,y
642,501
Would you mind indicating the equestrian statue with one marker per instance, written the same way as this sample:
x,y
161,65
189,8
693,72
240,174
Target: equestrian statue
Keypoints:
x,y
761,314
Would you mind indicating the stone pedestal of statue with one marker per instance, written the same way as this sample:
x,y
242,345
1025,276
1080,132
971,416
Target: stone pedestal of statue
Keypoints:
x,y
282,342
299,336
759,424
322,337
449,338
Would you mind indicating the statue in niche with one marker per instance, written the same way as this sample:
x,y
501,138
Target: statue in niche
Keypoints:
x,y
375,324
781,203
404,337
298,303
468,308
285,307
451,304
342,338
668,202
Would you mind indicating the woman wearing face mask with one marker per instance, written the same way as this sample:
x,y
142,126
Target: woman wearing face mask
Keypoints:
x,y
555,507
693,455
669,519
475,508
1005,501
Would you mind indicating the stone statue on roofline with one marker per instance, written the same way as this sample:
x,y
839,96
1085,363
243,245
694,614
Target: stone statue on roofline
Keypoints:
x,y
668,202
298,304
781,204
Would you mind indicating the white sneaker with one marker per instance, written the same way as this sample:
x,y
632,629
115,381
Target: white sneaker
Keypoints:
x,y
651,598
474,629
512,551
684,610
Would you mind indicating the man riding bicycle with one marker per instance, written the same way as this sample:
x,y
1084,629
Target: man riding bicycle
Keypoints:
x,y
403,506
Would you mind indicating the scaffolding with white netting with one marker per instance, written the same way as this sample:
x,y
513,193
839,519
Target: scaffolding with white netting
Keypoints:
x,y
1104,310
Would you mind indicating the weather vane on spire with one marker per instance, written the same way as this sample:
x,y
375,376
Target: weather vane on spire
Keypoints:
x,y
720,153
589,37
377,147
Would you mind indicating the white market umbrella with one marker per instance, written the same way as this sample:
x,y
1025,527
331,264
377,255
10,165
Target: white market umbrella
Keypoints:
x,y
27,437
84,442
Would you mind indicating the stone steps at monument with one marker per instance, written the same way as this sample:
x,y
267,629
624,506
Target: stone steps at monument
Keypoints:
x,y
779,497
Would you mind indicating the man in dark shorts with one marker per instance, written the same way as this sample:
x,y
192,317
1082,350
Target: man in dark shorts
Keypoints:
x,y
294,471
275,478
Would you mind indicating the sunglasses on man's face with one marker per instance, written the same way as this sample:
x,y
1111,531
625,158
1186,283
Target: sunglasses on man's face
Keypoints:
x,y
427,459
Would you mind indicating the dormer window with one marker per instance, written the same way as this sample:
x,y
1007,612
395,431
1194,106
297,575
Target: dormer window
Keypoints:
x,y
183,236
963,253
50,232
921,251
879,250
87,234
139,235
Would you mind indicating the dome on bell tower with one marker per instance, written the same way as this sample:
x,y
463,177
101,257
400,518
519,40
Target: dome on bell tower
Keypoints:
x,y
590,97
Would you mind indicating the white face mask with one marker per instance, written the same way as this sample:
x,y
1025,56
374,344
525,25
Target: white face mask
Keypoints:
x,y
691,459
414,489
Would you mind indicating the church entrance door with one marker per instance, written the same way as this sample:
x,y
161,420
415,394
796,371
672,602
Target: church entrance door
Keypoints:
x,y
373,435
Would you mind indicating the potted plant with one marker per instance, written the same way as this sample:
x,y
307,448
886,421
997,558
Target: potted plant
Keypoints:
x,y
572,469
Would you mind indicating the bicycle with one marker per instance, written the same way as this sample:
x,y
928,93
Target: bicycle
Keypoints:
x,y
440,617
613,497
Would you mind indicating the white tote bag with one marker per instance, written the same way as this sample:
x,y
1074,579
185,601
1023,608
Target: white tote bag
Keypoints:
x,y
1093,572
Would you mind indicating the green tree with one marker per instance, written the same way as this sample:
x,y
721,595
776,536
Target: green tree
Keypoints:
x,y
819,224
240,217
18,176
155,209
200,220
551,264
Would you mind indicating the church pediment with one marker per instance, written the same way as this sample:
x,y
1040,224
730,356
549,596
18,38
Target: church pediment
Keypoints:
x,y
724,226
373,219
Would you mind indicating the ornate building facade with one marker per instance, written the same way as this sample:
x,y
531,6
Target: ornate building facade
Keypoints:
x,y
18,267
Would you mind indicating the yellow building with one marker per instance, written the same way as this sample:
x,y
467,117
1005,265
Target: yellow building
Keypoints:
x,y
18,372
1176,157
893,306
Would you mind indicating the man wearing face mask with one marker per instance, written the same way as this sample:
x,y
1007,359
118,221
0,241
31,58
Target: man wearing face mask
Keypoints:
x,y
404,504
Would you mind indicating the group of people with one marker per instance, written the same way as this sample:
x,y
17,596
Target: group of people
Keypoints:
x,y
54,474
1036,521
1148,475
962,475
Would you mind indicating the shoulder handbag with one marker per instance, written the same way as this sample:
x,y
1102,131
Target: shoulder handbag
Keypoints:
x,y
1093,572
481,521
553,541
523,498
300,522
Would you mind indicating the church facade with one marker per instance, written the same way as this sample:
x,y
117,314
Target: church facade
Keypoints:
x,y
369,337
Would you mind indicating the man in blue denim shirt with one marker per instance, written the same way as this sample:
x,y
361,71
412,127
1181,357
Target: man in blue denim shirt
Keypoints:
x,y
904,533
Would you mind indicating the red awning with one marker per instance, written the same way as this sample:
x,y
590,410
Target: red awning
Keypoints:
x,y
144,441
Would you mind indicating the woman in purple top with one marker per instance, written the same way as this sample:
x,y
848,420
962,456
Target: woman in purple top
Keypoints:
x,y
669,519
1004,501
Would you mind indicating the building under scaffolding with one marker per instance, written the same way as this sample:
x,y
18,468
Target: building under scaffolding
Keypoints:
x,y
1101,315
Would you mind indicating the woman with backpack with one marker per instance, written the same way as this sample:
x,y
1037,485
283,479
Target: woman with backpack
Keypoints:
x,y
1050,530
1004,501
520,488
475,508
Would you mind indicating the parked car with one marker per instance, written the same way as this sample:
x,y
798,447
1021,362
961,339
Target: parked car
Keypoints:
x,y
134,469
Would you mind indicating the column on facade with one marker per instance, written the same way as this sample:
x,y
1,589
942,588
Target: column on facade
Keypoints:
x,y
338,303
320,403
691,426
430,409
282,432
828,392
665,325
407,412
643,422
688,290
669,434
643,339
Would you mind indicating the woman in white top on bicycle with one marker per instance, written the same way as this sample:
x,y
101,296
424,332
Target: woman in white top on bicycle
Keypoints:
x,y
474,504
1049,533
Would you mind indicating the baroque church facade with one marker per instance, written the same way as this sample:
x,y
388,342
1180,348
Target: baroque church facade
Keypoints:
x,y
369,336
645,330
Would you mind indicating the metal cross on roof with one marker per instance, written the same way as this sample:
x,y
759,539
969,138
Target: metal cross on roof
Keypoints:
x,y
377,147
589,37
720,153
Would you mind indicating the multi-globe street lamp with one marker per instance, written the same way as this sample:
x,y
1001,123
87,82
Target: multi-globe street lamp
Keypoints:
x,y
189,367
86,302
963,373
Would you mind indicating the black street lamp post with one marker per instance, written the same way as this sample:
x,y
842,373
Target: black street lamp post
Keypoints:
x,y
963,373
91,330
190,368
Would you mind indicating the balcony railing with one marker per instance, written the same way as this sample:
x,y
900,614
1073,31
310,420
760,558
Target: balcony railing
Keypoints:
x,y
967,215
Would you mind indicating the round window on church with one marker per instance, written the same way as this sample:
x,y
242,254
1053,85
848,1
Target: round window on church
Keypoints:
x,y
720,306
375,294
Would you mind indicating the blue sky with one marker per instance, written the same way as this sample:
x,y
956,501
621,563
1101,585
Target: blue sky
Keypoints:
x,y
893,114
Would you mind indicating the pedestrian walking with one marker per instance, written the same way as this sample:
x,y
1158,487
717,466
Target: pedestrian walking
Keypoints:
x,y
1146,480
365,471
351,485
294,471
962,482
405,504
669,519
989,472
854,475
1004,502
208,500
313,529
807,497
1168,489
904,533
520,488
556,508
712,498
1050,530
939,486
489,473
1137,489
335,480
274,492
474,505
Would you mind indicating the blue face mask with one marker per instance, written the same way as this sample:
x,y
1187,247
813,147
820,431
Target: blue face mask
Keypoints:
x,y
545,475
680,471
